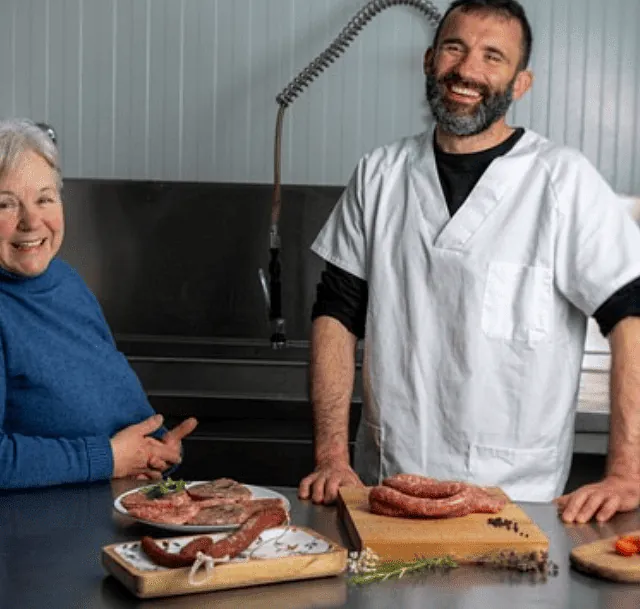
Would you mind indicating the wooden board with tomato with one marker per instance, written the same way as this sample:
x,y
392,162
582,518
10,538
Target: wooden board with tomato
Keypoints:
x,y
615,558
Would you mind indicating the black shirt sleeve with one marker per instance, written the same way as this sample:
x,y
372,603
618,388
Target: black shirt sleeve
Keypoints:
x,y
344,297
624,303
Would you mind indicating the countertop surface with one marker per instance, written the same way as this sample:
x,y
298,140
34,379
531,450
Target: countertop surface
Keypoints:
x,y
51,540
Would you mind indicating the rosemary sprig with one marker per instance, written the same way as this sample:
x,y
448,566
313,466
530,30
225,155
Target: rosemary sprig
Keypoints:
x,y
395,569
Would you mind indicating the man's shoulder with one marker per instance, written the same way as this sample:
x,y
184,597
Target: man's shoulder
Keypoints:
x,y
558,158
402,151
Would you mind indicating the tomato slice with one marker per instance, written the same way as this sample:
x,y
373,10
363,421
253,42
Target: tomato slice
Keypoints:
x,y
626,546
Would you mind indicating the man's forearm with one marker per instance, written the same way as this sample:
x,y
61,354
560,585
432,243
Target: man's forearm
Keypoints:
x,y
624,430
332,375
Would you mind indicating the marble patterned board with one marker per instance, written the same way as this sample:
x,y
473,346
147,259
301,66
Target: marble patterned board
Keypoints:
x,y
273,543
279,554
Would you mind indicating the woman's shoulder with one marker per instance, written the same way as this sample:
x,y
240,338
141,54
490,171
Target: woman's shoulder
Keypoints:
x,y
63,271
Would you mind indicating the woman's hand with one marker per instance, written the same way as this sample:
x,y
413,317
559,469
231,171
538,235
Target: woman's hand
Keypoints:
x,y
173,438
136,454
133,449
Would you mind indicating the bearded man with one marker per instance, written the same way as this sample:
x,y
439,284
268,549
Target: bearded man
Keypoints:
x,y
469,259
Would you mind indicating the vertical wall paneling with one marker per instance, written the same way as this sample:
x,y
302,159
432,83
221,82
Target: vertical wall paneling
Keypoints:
x,y
557,89
126,149
56,94
23,50
609,104
630,68
628,85
157,73
170,122
194,96
185,89
7,64
593,79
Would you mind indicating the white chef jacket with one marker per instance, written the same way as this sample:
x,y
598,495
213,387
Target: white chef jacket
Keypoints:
x,y
476,323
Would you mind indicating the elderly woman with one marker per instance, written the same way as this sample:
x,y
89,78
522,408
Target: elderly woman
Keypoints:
x,y
71,407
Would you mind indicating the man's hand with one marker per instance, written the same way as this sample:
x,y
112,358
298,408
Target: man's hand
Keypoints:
x,y
602,500
322,485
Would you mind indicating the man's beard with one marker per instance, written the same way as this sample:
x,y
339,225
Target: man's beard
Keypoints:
x,y
490,108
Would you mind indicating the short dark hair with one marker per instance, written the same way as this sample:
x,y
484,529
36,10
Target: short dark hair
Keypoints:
x,y
508,8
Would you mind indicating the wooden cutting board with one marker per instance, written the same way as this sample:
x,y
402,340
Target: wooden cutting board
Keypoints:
x,y
463,538
284,562
599,558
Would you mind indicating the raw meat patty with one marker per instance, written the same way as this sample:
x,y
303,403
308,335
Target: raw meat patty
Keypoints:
x,y
223,488
220,515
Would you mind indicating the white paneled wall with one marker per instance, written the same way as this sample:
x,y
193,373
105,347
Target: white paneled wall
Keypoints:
x,y
185,89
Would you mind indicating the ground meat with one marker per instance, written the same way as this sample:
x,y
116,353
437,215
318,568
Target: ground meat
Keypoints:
x,y
220,515
180,514
222,502
223,488
139,499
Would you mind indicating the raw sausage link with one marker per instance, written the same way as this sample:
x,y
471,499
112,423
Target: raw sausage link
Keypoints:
x,y
421,486
459,504
230,546
384,509
485,503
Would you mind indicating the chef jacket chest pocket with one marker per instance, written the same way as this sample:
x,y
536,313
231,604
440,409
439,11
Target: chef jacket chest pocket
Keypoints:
x,y
517,302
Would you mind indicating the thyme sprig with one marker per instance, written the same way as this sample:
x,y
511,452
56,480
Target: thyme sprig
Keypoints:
x,y
371,569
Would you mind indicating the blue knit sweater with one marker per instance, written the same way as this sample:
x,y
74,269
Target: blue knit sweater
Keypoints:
x,y
64,387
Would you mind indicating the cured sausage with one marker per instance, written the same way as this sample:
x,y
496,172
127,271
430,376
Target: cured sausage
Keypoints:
x,y
421,486
161,557
229,547
199,544
459,504
245,535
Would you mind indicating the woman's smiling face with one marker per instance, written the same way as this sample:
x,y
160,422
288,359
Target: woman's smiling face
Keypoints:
x,y
31,218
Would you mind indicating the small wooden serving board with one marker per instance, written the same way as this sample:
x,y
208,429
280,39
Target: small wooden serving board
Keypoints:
x,y
283,554
600,558
462,538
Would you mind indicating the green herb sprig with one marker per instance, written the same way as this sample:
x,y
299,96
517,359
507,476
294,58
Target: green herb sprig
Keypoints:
x,y
369,568
165,487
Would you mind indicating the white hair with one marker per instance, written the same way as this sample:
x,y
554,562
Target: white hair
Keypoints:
x,y
20,135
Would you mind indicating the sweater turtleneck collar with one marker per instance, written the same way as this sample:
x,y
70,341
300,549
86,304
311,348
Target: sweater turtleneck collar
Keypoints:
x,y
39,283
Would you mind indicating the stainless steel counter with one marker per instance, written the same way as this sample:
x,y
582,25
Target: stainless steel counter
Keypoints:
x,y
50,542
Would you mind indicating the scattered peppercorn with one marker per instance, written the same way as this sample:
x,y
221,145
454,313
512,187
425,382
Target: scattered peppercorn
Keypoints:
x,y
505,523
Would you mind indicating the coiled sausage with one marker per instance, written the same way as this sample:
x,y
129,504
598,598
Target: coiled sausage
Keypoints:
x,y
421,486
459,504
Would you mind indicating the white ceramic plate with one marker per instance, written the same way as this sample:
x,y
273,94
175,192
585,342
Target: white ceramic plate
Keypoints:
x,y
258,492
